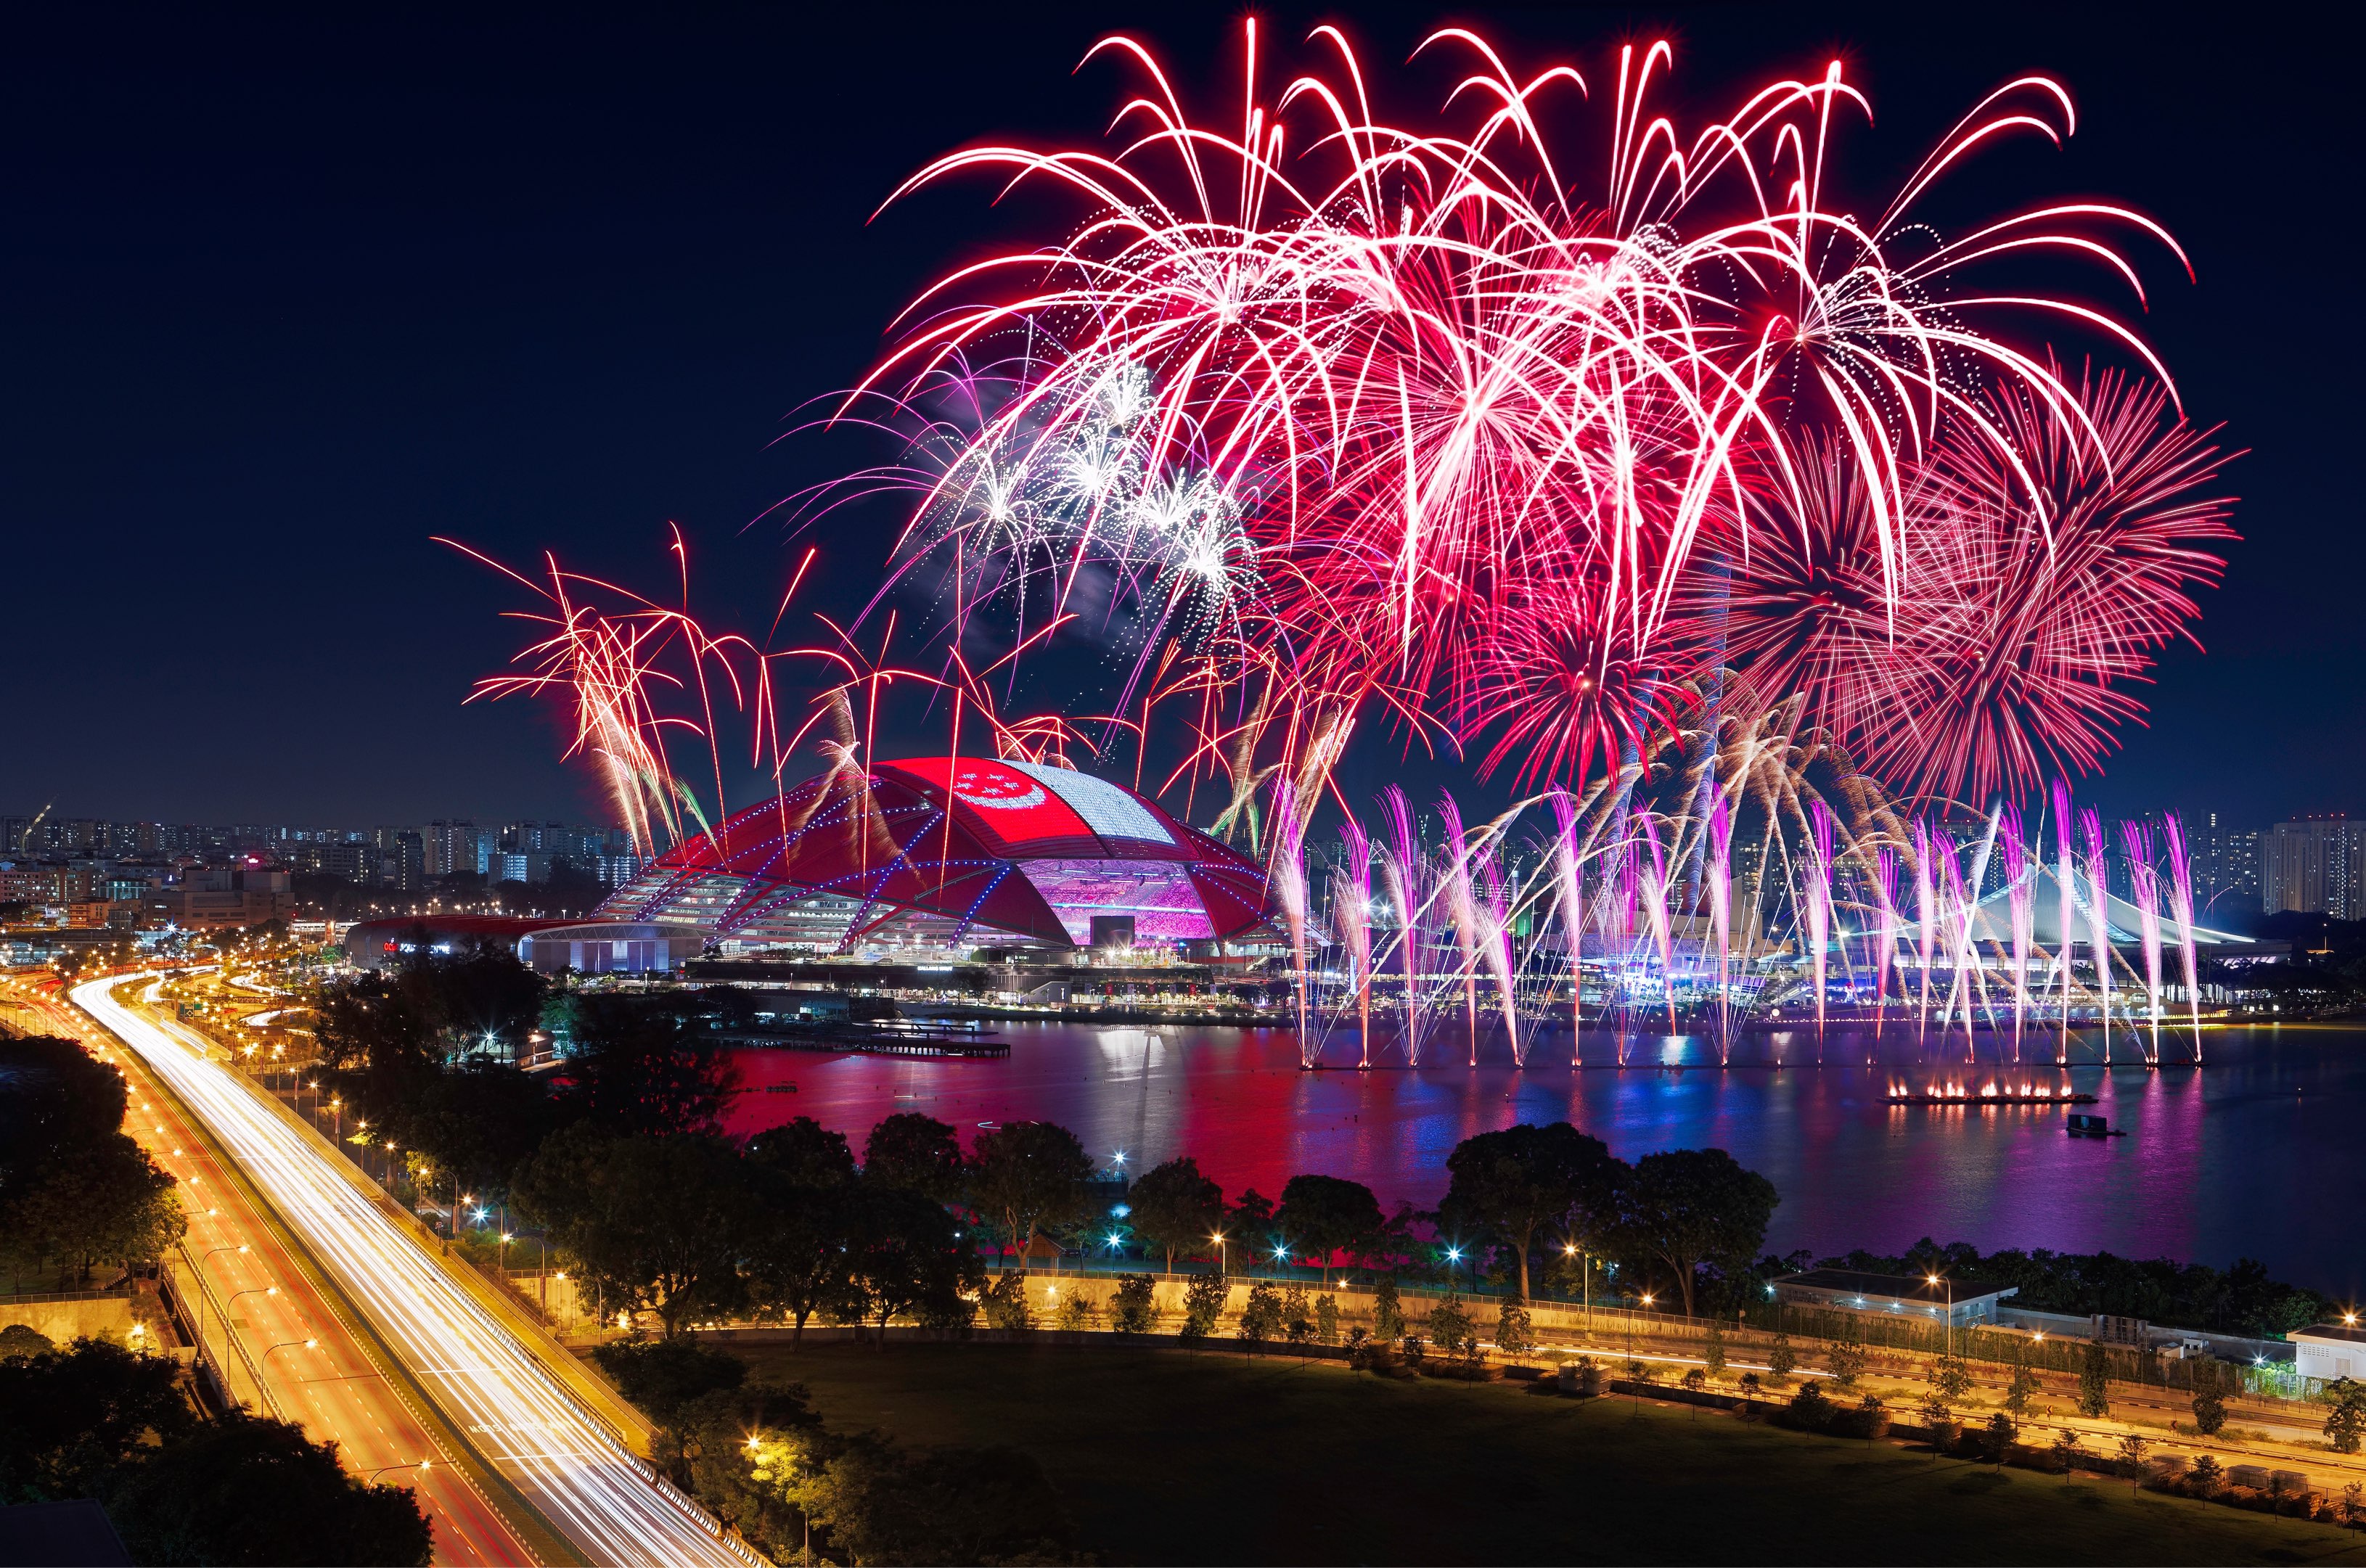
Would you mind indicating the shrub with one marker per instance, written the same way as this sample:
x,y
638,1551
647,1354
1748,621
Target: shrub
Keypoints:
x,y
2345,1427
1203,1302
1130,1311
1076,1311
1781,1359
1867,1418
1997,1439
1006,1301
1359,1350
1261,1315
1811,1409
1845,1357
1695,1380
1327,1319
2094,1374
1515,1330
1388,1318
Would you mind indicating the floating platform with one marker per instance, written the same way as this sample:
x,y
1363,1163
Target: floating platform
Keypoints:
x,y
1999,1098
870,1039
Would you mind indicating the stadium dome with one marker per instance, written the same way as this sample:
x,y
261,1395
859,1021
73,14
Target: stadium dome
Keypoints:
x,y
936,854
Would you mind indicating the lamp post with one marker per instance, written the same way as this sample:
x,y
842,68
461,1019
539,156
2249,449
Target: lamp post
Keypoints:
x,y
1948,1341
241,1247
1222,1272
265,1359
422,1466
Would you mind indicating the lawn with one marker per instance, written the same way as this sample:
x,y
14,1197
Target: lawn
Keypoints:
x,y
1169,1458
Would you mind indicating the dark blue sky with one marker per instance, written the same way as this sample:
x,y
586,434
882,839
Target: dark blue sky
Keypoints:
x,y
283,297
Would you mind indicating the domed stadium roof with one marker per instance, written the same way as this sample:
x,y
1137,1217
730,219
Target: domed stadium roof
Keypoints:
x,y
944,852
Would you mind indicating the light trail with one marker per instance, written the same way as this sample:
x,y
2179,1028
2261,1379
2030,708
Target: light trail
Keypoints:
x,y
593,1491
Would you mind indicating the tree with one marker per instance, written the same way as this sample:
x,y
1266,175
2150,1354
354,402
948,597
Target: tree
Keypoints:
x,y
2094,1381
1028,1175
2065,1448
666,1378
2209,1398
2344,1428
1950,1378
908,1149
808,1154
636,1068
1130,1304
2206,1475
1327,1319
1322,1215
1811,1408
1845,1357
1508,1185
907,1255
1713,1349
1514,1327
1006,1301
2132,1453
1175,1208
74,1191
1998,1438
1388,1317
1781,1357
67,1417
657,1223
1261,1315
1203,1300
1448,1325
246,1489
1689,1206
2022,1384
796,1247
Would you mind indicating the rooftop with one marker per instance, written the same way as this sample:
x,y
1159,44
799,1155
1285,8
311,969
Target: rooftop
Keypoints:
x,y
1899,1287
2347,1333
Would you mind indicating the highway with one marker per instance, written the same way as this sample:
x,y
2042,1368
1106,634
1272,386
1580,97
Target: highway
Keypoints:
x,y
570,1466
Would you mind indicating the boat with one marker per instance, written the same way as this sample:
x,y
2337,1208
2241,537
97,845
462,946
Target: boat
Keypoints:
x,y
780,1089
2092,1126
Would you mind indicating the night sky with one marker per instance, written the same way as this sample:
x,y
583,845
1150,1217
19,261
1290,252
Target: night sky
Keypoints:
x,y
286,297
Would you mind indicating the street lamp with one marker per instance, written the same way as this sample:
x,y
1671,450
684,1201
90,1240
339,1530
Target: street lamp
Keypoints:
x,y
1949,1340
1219,1239
284,1344
423,1465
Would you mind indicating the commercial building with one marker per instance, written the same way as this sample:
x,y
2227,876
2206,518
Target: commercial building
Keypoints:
x,y
933,855
374,944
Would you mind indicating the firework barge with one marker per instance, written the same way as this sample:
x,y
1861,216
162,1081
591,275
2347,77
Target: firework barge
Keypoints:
x,y
1985,1095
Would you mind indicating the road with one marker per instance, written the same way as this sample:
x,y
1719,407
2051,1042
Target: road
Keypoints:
x,y
569,1465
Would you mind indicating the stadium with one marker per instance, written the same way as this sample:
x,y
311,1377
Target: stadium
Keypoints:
x,y
931,856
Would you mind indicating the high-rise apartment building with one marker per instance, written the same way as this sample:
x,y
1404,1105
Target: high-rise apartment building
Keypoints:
x,y
2314,866
2225,868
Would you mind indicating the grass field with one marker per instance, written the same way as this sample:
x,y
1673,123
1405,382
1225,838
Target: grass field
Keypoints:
x,y
1166,1458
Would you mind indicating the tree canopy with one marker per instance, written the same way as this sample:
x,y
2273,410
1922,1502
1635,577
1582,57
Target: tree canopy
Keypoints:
x,y
1505,1188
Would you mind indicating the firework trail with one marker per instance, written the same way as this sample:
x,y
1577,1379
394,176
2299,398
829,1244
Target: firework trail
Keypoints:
x,y
2144,891
2098,915
2021,889
1884,896
1351,916
1286,872
1816,904
1402,870
1651,888
1461,910
1569,894
1392,408
2065,880
1926,919
2180,896
1720,911
1494,931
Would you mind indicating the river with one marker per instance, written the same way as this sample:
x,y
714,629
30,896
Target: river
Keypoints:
x,y
2260,1154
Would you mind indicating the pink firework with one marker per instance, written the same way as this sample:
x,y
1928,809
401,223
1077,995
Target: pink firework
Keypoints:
x,y
1402,411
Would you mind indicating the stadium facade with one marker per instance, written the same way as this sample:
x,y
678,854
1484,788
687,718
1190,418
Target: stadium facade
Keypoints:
x,y
926,857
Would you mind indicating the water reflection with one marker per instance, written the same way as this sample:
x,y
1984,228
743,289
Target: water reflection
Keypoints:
x,y
2258,1155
